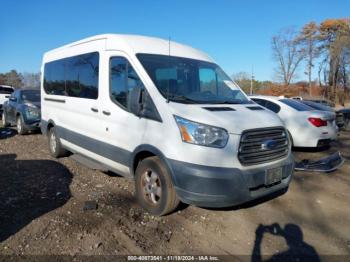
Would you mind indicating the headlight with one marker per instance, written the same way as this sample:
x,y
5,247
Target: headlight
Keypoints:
x,y
32,112
201,134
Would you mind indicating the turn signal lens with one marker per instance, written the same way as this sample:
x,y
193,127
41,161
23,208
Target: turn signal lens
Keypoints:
x,y
317,122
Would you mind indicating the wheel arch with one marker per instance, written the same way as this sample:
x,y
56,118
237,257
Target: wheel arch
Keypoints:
x,y
46,126
144,151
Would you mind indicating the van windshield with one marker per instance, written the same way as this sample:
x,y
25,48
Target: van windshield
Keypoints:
x,y
191,81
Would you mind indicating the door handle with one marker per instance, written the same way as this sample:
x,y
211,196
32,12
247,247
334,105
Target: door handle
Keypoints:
x,y
106,112
94,109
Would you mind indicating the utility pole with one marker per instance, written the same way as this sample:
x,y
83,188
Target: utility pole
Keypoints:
x,y
251,82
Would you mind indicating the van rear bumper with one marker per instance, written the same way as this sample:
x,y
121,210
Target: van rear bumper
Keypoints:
x,y
223,187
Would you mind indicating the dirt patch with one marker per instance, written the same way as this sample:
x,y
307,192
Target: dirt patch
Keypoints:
x,y
42,211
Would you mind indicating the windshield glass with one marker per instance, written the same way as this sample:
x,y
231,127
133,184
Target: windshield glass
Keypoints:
x,y
30,96
296,105
187,80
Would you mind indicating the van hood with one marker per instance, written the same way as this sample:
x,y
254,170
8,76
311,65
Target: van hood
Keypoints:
x,y
232,117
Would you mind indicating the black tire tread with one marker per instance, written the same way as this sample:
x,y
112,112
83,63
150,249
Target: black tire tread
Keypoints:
x,y
6,124
60,151
24,129
172,201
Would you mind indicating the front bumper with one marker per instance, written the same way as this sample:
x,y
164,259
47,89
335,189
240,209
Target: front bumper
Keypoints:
x,y
32,124
222,187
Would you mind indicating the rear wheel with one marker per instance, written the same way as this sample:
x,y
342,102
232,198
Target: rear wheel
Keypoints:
x,y
4,120
21,129
154,187
55,146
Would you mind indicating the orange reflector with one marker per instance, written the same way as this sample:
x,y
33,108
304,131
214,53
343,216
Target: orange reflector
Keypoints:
x,y
185,135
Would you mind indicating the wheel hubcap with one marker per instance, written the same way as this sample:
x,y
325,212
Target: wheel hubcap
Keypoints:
x,y
151,187
53,142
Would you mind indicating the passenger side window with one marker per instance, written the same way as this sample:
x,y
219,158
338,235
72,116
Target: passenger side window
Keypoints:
x,y
82,76
123,79
54,79
272,106
75,76
260,102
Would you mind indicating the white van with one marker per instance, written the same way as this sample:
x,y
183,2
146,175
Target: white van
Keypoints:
x,y
165,115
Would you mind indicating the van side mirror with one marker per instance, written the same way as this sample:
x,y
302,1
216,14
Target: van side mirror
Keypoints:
x,y
135,101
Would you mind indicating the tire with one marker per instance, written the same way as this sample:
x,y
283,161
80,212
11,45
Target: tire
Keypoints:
x,y
21,128
55,146
154,188
4,120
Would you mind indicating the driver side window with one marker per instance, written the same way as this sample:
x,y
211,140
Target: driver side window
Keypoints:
x,y
123,79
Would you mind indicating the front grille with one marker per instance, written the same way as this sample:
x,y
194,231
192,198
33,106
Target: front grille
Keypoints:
x,y
252,150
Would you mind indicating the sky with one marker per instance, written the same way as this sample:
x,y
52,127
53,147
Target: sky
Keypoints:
x,y
237,34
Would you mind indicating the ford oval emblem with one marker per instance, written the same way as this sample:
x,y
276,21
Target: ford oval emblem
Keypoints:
x,y
269,144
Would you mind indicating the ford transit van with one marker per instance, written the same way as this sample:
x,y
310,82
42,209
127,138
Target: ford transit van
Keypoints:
x,y
165,115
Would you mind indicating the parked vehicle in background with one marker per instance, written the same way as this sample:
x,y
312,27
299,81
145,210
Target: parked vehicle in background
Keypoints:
x,y
23,110
346,114
5,92
315,100
165,115
322,102
308,127
339,117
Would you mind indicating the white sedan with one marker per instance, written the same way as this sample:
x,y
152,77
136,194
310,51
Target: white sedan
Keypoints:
x,y
307,127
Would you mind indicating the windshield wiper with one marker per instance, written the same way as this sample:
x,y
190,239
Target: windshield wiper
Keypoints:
x,y
183,99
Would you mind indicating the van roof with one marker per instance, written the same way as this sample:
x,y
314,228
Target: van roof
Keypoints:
x,y
135,44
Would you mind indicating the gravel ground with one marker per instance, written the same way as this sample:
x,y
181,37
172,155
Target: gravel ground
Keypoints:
x,y
42,211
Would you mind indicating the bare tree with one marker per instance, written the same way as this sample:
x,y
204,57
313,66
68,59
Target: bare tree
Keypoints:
x,y
335,37
288,54
31,80
309,39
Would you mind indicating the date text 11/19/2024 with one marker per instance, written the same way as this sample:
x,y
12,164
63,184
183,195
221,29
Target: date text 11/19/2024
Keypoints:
x,y
173,258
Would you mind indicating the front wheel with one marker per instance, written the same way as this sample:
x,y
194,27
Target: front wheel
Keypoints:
x,y
154,187
4,120
21,129
55,146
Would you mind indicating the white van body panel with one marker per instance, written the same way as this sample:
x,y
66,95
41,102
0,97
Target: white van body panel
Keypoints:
x,y
120,133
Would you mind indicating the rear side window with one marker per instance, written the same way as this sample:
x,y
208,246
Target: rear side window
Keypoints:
x,y
75,76
296,105
267,104
123,78
261,102
272,106
54,78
